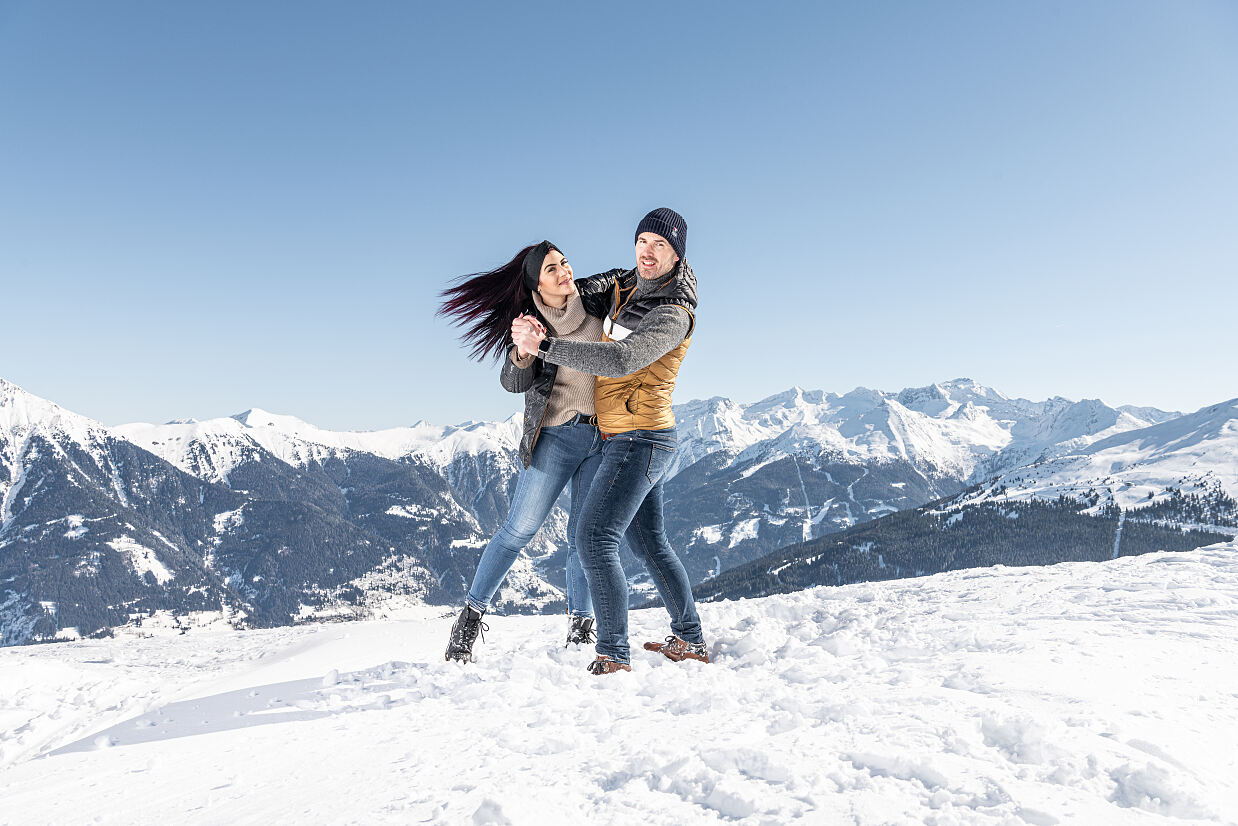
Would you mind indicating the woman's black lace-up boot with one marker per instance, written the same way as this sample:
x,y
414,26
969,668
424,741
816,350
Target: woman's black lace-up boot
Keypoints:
x,y
580,631
463,634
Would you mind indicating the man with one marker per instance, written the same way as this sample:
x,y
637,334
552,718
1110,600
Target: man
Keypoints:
x,y
645,337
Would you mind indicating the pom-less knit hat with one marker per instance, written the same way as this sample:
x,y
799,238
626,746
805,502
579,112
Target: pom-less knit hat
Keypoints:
x,y
533,264
669,224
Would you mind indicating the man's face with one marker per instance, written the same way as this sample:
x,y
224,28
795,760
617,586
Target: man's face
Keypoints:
x,y
655,256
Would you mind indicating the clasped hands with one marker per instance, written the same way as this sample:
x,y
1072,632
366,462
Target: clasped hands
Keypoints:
x,y
527,334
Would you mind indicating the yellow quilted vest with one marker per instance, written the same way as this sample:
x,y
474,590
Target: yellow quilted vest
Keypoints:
x,y
641,400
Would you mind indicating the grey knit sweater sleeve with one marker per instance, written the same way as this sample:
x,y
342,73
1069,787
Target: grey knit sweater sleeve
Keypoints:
x,y
659,332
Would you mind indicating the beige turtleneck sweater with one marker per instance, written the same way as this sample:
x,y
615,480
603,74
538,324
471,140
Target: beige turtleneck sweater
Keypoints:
x,y
573,390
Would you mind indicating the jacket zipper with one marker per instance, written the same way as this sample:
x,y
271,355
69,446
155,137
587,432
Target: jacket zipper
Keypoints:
x,y
538,432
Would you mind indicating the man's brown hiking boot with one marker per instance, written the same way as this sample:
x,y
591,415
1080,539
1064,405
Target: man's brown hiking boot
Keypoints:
x,y
678,650
605,665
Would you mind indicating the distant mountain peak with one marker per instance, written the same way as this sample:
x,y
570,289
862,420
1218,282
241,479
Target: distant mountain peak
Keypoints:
x,y
11,395
975,388
21,411
931,401
794,394
256,417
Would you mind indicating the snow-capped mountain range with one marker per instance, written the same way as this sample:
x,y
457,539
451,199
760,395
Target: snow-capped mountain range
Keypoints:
x,y
781,470
803,464
1135,468
1168,486
288,520
212,449
98,531
958,428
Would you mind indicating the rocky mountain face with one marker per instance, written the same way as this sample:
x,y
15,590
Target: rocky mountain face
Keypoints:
x,y
1170,486
433,495
268,518
953,534
804,464
92,528
98,531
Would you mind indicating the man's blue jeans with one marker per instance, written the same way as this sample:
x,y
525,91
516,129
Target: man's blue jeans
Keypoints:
x,y
626,500
564,453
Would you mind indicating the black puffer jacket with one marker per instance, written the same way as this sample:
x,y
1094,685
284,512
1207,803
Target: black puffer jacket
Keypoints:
x,y
537,380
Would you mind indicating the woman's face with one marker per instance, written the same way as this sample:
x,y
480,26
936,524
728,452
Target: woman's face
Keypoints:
x,y
556,278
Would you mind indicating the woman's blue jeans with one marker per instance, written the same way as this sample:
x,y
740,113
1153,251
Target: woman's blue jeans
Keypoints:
x,y
626,500
564,453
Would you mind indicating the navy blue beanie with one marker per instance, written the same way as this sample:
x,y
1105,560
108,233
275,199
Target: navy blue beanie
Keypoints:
x,y
669,224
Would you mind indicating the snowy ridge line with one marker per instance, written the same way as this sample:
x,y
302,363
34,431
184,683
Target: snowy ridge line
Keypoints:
x,y
958,427
226,442
954,426
986,697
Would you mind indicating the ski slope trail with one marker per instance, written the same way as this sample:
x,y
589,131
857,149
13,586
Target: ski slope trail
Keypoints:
x,y
1082,693
1117,536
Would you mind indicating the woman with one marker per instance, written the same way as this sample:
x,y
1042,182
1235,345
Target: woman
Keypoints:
x,y
560,442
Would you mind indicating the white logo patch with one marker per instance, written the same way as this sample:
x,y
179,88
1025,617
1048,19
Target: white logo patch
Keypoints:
x,y
613,331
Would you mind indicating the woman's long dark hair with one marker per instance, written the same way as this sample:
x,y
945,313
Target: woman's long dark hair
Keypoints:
x,y
485,304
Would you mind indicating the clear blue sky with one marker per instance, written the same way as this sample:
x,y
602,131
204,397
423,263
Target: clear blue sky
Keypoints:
x,y
206,207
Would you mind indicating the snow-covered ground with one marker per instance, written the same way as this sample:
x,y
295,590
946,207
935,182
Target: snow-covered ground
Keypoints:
x,y
1081,693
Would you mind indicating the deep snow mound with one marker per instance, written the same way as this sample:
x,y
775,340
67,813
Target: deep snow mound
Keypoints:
x,y
1076,693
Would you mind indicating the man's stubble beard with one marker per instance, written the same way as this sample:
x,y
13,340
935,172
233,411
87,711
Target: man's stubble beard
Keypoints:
x,y
659,273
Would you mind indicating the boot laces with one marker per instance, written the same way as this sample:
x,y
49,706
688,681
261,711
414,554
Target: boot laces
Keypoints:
x,y
677,644
598,666
466,632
